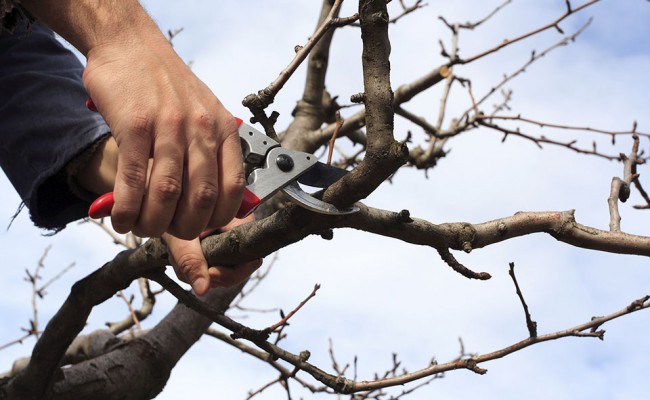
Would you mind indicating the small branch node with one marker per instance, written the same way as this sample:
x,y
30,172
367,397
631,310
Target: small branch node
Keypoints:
x,y
404,216
358,98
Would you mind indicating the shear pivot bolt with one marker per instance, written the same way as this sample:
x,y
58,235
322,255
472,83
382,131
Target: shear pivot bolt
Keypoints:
x,y
284,162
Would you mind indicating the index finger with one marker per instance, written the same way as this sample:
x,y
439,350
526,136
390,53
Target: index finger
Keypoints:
x,y
130,181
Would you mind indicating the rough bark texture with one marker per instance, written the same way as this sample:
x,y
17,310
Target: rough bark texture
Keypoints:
x,y
105,366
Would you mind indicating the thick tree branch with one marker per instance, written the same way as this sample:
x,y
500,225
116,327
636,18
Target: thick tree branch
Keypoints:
x,y
465,236
66,324
407,91
384,155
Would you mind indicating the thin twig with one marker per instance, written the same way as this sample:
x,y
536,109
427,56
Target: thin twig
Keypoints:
x,y
530,324
535,56
563,126
339,123
571,145
284,320
342,385
406,10
258,102
17,341
267,358
507,42
620,188
129,304
450,260
473,25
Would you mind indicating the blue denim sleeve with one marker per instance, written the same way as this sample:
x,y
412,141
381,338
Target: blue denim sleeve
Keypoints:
x,y
44,123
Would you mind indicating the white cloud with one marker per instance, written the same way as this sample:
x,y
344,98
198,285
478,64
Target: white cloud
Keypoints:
x,y
380,295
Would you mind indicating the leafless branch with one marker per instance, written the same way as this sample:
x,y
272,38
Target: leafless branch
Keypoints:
x,y
406,10
539,141
575,128
471,363
257,103
551,25
286,318
620,188
136,315
473,25
530,324
339,123
535,56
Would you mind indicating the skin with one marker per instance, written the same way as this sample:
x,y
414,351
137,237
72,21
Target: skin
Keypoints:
x,y
156,108
174,161
186,256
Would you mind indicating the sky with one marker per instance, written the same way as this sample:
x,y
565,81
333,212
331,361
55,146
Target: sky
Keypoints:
x,y
380,296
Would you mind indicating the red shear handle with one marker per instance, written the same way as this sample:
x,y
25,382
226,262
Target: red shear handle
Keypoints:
x,y
104,204
249,203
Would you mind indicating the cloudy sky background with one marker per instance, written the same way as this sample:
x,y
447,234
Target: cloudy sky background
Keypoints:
x,y
381,296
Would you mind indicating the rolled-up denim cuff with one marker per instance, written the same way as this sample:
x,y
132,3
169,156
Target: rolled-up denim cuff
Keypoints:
x,y
44,123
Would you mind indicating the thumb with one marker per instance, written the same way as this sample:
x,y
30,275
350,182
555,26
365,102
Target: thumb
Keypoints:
x,y
189,263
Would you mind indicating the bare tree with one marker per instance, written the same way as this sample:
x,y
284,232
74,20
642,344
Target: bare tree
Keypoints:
x,y
125,361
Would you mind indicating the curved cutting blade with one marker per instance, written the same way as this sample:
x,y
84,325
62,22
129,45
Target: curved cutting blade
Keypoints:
x,y
305,200
322,175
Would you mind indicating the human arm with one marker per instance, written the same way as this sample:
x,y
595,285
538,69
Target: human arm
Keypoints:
x,y
154,105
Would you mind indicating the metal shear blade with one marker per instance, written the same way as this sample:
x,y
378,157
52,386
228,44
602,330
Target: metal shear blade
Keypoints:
x,y
270,168
311,203
276,168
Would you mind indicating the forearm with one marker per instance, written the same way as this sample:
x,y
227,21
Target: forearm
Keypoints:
x,y
91,23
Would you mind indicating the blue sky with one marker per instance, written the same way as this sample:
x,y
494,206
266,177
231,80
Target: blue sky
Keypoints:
x,y
381,296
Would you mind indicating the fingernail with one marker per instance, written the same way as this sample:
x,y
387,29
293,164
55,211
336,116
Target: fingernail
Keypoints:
x,y
200,286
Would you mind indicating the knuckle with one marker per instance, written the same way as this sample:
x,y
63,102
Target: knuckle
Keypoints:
x,y
229,127
234,187
141,121
205,120
174,119
187,266
166,189
205,195
134,174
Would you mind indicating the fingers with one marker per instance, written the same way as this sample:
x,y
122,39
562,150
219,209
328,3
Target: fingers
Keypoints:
x,y
231,276
130,180
191,267
232,180
191,186
157,108
164,189
189,263
206,194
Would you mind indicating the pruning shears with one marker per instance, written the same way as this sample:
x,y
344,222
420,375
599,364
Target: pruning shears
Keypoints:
x,y
269,168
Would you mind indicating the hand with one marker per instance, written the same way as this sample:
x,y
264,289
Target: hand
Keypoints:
x,y
155,106
191,267
186,256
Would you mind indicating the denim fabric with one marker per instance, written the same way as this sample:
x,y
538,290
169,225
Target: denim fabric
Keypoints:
x,y
11,14
44,122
